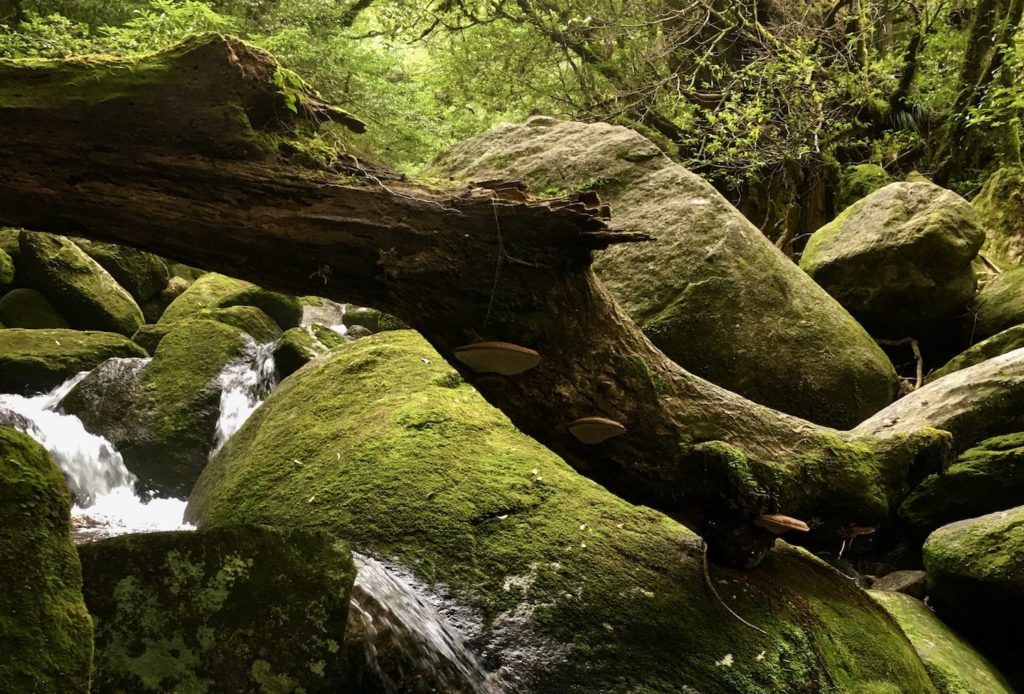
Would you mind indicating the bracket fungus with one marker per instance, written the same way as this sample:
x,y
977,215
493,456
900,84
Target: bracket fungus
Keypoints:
x,y
778,524
502,358
591,430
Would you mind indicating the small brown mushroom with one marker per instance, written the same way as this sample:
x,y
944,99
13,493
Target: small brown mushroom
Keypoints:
x,y
777,524
591,430
502,358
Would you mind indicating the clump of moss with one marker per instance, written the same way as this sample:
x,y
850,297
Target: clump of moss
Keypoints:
x,y
376,443
1000,343
228,610
6,270
45,630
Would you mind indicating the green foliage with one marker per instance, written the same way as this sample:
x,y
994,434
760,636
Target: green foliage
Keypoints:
x,y
732,93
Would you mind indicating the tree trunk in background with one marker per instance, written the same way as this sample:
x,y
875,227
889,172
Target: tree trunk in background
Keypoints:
x,y
196,154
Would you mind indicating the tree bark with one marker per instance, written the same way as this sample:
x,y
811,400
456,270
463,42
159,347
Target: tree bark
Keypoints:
x,y
200,154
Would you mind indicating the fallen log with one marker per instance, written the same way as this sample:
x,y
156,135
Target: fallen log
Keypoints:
x,y
207,153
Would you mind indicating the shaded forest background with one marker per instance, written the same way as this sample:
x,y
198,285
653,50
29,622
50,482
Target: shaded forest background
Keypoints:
x,y
773,101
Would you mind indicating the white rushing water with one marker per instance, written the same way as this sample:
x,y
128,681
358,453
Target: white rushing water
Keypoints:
x,y
244,384
102,487
407,629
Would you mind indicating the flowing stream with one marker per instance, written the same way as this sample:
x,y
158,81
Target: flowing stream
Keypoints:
x,y
410,640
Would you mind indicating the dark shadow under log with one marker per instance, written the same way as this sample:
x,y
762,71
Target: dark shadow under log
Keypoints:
x,y
192,154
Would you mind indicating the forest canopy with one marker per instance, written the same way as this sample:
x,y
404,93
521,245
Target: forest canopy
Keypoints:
x,y
760,96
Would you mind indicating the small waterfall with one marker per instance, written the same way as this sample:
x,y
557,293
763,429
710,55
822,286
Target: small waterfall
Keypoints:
x,y
328,313
92,465
407,643
102,487
245,384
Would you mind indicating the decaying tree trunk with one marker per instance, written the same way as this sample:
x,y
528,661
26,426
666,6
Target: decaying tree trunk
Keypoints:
x,y
197,154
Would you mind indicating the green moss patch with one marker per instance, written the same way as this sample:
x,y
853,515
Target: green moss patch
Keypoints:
x,y
27,308
381,443
218,291
45,631
33,361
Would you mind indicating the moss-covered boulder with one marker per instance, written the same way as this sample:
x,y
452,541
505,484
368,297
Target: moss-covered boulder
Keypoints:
x,y
9,242
27,308
380,442
249,319
955,667
711,291
77,285
1000,206
999,305
242,609
6,270
218,291
1000,343
45,630
164,422
986,478
33,361
900,259
143,274
296,348
155,306
976,570
859,181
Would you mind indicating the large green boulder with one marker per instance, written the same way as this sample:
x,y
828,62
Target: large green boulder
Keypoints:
x,y
710,291
985,478
900,259
242,609
1000,206
27,308
380,442
955,666
6,270
143,274
218,291
163,418
45,630
33,361
999,305
999,344
76,285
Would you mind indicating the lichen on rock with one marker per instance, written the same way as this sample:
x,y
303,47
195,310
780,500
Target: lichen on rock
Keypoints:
x,y
229,610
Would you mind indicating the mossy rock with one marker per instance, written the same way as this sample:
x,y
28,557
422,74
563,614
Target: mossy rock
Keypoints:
x,y
249,319
77,285
296,348
985,478
711,291
6,270
900,259
33,361
172,410
45,630
976,570
218,291
999,344
1000,206
955,667
327,337
241,609
143,274
999,305
859,181
154,308
400,456
9,242
27,308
